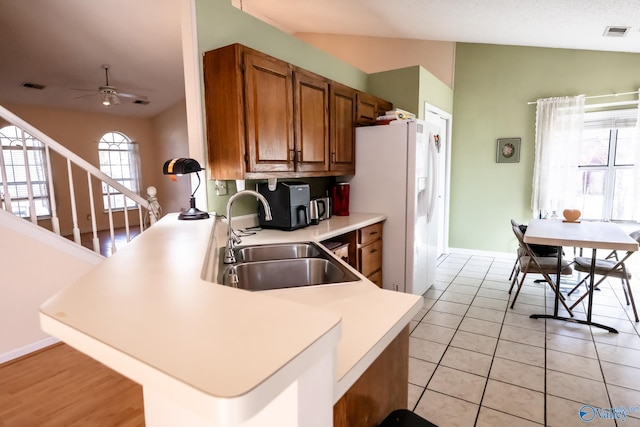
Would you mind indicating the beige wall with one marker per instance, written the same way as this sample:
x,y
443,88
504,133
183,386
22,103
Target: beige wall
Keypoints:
x,y
80,133
24,288
376,54
170,130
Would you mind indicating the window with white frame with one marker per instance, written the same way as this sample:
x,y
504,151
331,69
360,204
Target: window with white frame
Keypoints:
x,y
119,159
606,164
24,179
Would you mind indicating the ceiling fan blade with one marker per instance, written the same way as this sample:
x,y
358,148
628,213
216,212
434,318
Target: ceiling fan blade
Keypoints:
x,y
85,90
84,96
130,95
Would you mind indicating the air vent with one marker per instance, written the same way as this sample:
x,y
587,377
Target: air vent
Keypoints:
x,y
30,85
616,31
141,102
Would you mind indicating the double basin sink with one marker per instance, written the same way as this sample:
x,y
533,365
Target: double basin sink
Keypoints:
x,y
282,265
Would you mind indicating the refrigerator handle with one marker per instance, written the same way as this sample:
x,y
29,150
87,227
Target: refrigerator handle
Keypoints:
x,y
433,171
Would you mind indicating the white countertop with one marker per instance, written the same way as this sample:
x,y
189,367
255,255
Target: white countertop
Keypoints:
x,y
147,313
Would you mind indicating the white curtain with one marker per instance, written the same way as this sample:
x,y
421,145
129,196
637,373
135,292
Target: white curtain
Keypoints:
x,y
559,124
635,193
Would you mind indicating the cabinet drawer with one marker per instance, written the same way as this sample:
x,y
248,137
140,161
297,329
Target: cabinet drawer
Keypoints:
x,y
371,258
376,278
342,252
370,233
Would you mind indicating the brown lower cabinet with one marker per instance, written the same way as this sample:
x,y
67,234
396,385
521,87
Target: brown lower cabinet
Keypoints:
x,y
382,388
364,251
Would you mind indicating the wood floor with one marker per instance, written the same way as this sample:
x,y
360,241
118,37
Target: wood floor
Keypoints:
x,y
61,387
104,236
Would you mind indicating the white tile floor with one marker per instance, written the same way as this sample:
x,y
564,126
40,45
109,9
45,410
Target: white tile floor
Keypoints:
x,y
476,362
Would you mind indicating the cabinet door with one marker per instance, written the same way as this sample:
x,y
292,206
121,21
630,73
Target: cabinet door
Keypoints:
x,y
311,122
369,107
342,139
366,109
268,114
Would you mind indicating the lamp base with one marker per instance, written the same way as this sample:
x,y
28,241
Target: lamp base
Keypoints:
x,y
193,212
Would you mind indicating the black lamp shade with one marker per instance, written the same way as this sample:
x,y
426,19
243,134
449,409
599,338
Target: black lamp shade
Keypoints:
x,y
181,166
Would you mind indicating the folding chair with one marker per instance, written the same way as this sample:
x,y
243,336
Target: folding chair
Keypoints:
x,y
610,266
530,263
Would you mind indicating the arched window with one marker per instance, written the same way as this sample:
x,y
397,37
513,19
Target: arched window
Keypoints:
x,y
119,159
24,173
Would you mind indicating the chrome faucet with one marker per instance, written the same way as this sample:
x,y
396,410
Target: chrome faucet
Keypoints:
x,y
232,238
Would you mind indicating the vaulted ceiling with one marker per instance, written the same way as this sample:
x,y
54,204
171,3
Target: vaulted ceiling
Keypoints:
x,y
63,44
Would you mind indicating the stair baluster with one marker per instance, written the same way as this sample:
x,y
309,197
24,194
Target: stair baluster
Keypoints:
x,y
150,203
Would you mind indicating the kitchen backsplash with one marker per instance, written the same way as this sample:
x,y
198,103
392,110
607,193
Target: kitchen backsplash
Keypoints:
x,y
245,205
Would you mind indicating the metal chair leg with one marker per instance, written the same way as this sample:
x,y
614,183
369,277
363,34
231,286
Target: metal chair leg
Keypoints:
x,y
514,280
633,303
578,285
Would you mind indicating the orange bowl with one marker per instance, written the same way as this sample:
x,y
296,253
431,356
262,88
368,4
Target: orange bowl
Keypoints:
x,y
571,215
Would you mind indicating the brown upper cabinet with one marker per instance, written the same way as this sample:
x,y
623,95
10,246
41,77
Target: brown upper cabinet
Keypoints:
x,y
267,118
369,108
342,127
311,100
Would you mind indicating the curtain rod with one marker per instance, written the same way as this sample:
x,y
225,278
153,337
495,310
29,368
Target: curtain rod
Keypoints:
x,y
599,96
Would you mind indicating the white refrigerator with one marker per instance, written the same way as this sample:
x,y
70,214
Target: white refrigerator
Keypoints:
x,y
396,174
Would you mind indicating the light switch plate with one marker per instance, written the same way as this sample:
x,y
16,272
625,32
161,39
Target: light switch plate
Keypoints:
x,y
221,188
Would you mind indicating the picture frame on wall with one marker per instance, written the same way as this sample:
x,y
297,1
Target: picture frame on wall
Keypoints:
x,y
508,150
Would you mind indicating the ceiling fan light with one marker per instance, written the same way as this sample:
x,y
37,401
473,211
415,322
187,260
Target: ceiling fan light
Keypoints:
x,y
106,101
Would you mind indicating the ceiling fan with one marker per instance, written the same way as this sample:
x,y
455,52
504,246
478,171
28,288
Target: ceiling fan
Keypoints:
x,y
110,94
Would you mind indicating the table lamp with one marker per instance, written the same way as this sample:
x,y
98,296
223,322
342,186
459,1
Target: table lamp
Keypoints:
x,y
182,166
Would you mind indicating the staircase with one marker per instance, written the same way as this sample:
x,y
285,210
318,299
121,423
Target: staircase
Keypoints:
x,y
128,222
42,230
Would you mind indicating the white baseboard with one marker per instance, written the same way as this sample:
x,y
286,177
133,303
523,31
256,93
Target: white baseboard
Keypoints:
x,y
19,352
481,252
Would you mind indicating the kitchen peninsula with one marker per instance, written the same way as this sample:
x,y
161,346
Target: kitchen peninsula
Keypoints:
x,y
211,355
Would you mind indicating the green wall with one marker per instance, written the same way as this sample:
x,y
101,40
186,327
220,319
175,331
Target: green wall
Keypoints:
x,y
492,87
409,88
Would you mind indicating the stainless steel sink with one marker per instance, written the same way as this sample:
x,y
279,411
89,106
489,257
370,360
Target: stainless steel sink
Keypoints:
x,y
282,265
289,273
277,251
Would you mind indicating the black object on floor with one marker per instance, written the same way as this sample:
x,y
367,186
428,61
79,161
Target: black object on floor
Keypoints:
x,y
405,418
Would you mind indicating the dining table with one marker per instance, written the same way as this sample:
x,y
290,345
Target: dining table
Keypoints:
x,y
592,235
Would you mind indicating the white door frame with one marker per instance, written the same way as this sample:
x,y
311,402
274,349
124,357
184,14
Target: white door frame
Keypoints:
x,y
428,108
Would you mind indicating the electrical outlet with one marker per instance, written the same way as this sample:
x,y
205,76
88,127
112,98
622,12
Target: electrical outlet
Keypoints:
x,y
395,286
221,188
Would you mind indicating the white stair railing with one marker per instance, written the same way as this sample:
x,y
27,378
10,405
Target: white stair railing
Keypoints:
x,y
148,209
